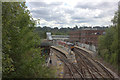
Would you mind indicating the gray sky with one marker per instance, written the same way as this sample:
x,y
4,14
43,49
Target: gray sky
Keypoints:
x,y
68,13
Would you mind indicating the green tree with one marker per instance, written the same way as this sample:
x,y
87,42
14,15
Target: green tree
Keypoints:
x,y
20,57
109,46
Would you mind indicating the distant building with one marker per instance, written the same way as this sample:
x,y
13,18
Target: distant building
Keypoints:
x,y
49,37
87,35
60,37
56,37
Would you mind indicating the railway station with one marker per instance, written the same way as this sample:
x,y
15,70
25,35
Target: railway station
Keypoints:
x,y
75,61
87,37
79,64
60,39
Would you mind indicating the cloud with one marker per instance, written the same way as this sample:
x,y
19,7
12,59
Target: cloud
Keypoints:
x,y
69,13
95,5
44,4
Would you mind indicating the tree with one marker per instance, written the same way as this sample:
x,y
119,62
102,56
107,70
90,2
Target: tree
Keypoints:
x,y
20,57
109,46
75,28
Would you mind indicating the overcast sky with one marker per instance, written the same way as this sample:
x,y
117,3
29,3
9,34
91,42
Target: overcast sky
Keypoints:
x,y
68,13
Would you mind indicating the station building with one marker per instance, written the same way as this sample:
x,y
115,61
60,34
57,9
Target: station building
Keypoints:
x,y
55,39
87,37
60,37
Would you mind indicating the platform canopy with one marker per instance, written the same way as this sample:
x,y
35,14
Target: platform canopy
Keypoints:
x,y
46,44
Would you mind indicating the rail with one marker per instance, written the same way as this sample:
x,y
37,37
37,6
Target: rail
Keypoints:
x,y
71,67
93,66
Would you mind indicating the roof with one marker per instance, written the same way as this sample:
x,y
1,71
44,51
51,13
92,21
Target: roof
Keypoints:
x,y
46,44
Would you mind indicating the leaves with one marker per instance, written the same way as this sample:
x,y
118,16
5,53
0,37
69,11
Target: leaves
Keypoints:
x,y
8,64
109,43
20,57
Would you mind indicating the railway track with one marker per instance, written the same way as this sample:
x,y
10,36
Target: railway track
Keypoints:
x,y
91,68
71,71
86,66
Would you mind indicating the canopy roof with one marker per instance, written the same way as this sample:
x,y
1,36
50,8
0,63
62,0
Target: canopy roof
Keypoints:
x,y
46,44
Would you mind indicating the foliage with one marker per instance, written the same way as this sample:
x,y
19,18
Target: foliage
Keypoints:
x,y
41,31
20,57
109,46
8,66
55,31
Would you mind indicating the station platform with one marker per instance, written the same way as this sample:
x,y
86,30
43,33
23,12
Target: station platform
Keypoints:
x,y
58,63
93,54
69,54
60,49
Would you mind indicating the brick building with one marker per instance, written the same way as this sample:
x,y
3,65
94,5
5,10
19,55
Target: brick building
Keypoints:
x,y
87,36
